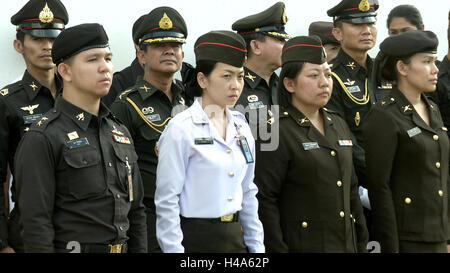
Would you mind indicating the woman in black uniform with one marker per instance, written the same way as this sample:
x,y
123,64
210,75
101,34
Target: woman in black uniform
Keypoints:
x,y
407,151
308,190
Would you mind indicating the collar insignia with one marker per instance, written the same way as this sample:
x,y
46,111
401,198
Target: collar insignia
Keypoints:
x,y
304,120
30,108
351,65
80,116
46,15
4,92
145,88
407,108
250,76
34,86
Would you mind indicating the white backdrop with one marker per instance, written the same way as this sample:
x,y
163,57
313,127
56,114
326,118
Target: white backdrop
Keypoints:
x,y
201,16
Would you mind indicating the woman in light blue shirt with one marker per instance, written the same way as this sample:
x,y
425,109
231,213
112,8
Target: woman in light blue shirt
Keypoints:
x,y
205,195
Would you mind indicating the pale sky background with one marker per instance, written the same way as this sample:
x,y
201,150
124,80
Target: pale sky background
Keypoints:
x,y
201,16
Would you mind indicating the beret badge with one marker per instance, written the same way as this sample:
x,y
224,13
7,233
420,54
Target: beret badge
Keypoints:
x,y
165,22
46,15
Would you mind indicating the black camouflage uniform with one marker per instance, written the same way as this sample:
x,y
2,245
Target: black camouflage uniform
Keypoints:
x,y
24,102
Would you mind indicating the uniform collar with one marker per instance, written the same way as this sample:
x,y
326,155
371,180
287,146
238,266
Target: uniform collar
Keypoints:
x,y
350,64
33,87
253,79
303,121
146,90
78,115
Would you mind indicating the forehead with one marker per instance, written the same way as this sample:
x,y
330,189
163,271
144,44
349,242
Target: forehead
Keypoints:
x,y
226,67
400,22
95,51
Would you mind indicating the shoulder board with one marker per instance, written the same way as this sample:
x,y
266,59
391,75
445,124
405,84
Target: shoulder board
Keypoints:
x,y
10,89
45,120
125,93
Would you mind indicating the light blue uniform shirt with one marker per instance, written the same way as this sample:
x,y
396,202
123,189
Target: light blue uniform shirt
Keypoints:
x,y
204,181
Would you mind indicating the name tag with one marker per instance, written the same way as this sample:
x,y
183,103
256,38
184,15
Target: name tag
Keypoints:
x,y
345,143
204,141
154,117
243,143
77,143
414,131
31,118
353,89
310,146
256,105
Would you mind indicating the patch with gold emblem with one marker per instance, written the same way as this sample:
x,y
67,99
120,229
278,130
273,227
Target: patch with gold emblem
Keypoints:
x,y
252,98
351,65
40,122
165,22
121,139
32,118
30,108
4,92
34,86
357,119
80,116
46,15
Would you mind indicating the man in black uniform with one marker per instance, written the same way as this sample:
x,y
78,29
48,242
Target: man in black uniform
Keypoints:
x,y
443,86
147,107
126,78
22,103
78,182
265,36
325,32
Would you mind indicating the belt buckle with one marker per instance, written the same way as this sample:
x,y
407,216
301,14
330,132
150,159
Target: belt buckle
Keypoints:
x,y
227,218
115,248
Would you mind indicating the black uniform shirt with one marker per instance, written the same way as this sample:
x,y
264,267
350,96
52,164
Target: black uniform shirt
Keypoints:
x,y
257,95
407,164
123,80
21,104
308,190
145,111
72,181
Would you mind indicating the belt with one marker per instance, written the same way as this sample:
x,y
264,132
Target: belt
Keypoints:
x,y
97,248
230,218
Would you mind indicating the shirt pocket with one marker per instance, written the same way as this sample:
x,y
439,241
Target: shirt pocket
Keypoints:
x,y
84,173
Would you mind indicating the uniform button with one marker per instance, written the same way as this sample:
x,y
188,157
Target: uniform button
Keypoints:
x,y
408,200
230,199
436,137
342,214
392,99
84,162
109,164
438,165
118,196
286,113
231,174
339,183
121,228
228,151
333,153
304,224
441,193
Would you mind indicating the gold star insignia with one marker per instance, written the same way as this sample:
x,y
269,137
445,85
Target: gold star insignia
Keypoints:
x,y
407,108
145,88
4,92
351,65
30,108
80,116
250,76
34,86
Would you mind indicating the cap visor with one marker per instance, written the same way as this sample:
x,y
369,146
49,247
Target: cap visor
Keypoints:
x,y
360,20
43,33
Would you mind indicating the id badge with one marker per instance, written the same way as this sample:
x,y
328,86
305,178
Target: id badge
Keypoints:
x,y
243,143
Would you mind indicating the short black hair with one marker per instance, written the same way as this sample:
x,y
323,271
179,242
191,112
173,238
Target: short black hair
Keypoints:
x,y
254,36
409,12
389,71
20,36
289,70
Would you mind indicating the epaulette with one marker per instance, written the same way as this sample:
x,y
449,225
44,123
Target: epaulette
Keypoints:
x,y
125,93
10,89
45,120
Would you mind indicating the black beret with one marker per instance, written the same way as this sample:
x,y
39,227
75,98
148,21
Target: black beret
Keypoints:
x,y
41,18
324,31
355,11
134,31
409,43
269,22
77,39
304,49
162,25
222,46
